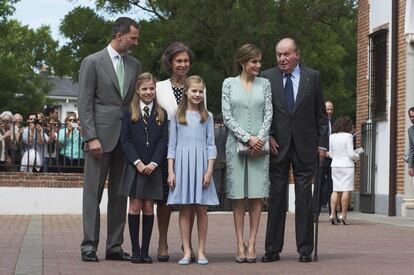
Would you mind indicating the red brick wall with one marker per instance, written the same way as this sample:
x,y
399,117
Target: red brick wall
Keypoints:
x,y
362,83
51,180
362,72
400,104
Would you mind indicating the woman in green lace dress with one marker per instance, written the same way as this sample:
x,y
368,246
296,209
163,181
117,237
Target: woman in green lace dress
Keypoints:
x,y
247,113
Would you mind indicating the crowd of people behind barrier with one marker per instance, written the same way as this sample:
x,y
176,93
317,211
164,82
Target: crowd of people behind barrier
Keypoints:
x,y
41,143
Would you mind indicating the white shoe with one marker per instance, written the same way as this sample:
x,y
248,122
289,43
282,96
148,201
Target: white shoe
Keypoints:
x,y
202,261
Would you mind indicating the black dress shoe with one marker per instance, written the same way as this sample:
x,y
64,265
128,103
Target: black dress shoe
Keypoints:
x,y
145,259
270,257
163,258
89,256
136,258
118,256
305,258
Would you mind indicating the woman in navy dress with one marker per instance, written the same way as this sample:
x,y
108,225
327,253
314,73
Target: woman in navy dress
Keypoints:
x,y
144,141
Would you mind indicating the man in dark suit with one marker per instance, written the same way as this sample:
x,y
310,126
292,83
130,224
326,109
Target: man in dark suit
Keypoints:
x,y
411,143
326,176
107,82
299,135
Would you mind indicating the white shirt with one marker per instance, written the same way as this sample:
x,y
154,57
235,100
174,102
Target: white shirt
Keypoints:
x,y
142,106
295,77
114,56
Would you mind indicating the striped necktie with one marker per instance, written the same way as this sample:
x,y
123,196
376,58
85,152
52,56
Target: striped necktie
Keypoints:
x,y
146,115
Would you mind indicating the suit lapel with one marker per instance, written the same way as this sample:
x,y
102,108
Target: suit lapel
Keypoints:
x,y
128,74
303,87
109,68
277,81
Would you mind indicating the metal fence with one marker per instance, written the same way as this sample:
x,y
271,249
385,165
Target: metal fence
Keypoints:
x,y
41,147
367,168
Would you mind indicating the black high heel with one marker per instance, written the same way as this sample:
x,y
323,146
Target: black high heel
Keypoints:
x,y
333,220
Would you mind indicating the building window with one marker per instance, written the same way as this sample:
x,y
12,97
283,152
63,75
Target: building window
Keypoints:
x,y
378,77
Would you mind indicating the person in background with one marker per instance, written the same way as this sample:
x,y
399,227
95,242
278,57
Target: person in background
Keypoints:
x,y
326,171
3,150
71,141
52,128
343,155
16,142
411,143
34,139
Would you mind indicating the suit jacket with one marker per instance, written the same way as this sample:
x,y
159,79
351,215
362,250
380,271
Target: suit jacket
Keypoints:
x,y
341,150
307,125
411,147
327,161
134,139
100,104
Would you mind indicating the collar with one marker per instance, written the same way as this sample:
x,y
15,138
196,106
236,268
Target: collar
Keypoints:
x,y
295,73
112,52
142,105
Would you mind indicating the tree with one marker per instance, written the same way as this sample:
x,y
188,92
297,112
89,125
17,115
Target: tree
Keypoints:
x,y
87,33
214,30
23,52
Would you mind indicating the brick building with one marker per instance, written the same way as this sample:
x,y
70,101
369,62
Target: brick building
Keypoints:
x,y
385,90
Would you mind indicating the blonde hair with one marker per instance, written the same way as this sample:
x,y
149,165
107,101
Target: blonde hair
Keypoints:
x,y
183,106
134,106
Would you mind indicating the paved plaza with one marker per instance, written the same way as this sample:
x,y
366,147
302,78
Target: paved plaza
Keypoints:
x,y
49,244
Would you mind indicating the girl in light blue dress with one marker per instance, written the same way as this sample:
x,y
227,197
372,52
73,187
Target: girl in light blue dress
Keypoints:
x,y
191,155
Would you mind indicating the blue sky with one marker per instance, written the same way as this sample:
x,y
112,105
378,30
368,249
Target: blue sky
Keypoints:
x,y
51,12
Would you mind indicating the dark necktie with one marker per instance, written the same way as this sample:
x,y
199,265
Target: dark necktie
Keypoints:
x,y
146,115
288,90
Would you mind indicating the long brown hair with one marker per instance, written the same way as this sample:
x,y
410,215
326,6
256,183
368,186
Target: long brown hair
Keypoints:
x,y
134,106
183,106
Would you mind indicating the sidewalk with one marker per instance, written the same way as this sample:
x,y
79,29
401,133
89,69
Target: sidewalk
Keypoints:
x,y
372,244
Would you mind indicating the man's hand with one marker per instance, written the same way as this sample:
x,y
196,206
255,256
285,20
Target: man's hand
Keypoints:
x,y
274,146
322,155
411,172
95,148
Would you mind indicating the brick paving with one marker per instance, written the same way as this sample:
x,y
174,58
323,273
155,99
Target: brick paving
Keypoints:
x,y
364,247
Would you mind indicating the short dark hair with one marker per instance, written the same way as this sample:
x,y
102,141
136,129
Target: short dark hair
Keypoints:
x,y
244,54
410,110
50,109
169,53
343,124
123,25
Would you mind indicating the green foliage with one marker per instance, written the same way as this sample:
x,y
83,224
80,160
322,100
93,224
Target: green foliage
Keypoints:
x,y
87,33
324,29
23,51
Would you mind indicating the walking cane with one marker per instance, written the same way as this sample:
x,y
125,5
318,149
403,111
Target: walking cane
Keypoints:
x,y
317,197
